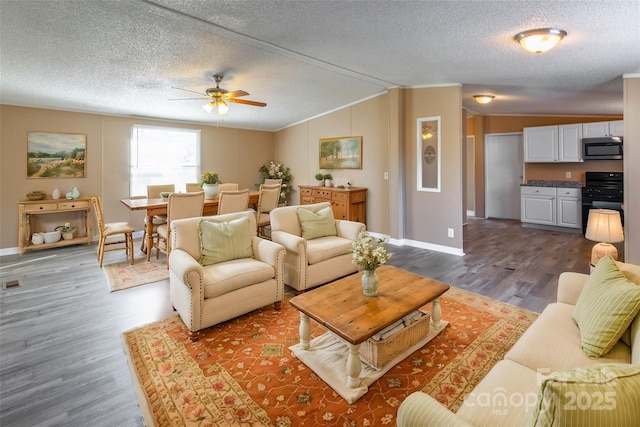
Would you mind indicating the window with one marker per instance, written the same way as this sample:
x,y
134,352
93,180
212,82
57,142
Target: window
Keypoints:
x,y
162,155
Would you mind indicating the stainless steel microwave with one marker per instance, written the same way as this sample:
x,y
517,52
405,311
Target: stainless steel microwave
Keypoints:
x,y
606,148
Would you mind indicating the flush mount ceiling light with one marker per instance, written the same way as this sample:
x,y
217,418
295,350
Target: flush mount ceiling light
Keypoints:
x,y
483,99
541,40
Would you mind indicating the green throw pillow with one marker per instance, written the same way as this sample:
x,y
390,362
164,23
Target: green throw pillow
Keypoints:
x,y
600,395
224,241
606,307
317,224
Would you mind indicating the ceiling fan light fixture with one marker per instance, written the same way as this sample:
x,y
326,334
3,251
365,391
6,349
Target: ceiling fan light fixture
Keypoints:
x,y
223,108
483,99
540,40
209,106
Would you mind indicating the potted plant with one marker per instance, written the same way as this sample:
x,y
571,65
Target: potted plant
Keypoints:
x,y
320,178
327,179
210,182
67,231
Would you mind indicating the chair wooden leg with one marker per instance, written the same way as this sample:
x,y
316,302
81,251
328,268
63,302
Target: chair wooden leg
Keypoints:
x,y
101,250
130,246
144,241
194,336
277,305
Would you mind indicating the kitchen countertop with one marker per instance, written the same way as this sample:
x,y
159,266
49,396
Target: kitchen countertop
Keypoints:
x,y
559,184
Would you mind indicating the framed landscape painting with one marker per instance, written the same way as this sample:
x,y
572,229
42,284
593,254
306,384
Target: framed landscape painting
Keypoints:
x,y
344,152
56,155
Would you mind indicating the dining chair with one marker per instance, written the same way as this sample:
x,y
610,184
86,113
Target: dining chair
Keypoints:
x,y
233,201
229,186
153,192
269,181
122,231
267,201
193,187
179,206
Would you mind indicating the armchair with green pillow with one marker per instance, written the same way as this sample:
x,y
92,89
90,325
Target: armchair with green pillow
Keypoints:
x,y
577,365
318,246
219,269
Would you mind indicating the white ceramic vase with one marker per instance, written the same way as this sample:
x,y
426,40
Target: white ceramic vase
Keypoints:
x,y
55,194
210,190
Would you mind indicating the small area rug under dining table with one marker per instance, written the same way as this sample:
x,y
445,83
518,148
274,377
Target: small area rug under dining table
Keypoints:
x,y
242,373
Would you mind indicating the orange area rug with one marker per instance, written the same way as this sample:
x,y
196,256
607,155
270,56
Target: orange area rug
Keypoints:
x,y
242,373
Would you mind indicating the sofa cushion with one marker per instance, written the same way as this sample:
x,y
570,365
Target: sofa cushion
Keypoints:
x,y
605,395
605,308
324,248
506,396
316,224
224,241
552,343
228,276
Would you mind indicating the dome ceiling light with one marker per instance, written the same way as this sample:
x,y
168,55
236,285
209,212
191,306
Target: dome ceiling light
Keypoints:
x,y
483,99
540,40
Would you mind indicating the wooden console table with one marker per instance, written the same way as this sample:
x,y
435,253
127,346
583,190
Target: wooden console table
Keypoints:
x,y
29,213
349,204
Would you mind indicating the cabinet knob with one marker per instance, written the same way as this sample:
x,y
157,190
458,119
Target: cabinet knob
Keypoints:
x,y
40,208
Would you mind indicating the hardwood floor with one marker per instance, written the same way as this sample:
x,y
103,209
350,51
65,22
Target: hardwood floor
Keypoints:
x,y
62,361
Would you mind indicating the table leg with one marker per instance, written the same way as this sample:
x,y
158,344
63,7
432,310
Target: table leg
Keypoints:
x,y
149,236
354,366
305,331
436,314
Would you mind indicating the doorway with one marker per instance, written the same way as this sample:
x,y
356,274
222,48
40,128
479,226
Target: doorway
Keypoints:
x,y
504,168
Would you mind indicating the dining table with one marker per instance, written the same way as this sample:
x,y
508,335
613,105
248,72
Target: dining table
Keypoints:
x,y
158,206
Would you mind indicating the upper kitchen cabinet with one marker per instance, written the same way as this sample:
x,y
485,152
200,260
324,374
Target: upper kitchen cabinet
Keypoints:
x,y
547,144
600,129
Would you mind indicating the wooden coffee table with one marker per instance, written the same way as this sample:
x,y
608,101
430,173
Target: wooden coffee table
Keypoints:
x,y
351,317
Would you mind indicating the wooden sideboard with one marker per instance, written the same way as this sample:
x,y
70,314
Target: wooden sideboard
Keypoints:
x,y
44,215
350,204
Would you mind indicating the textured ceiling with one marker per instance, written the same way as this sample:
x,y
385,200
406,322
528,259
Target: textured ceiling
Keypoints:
x,y
304,58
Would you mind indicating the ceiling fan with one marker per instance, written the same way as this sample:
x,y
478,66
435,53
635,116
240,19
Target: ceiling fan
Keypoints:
x,y
218,97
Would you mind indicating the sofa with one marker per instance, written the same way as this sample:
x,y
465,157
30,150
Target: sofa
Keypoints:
x,y
319,249
551,376
219,269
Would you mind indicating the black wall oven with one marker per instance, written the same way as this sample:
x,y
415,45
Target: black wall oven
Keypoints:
x,y
602,190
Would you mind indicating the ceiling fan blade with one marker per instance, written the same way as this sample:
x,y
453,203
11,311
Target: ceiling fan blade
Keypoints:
x,y
245,101
235,94
187,90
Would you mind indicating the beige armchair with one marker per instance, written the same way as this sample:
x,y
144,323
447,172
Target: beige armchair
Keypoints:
x,y
207,295
310,263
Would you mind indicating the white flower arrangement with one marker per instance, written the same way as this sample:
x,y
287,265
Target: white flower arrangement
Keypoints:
x,y
369,252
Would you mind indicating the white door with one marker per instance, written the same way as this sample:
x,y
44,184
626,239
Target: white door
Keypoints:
x,y
503,175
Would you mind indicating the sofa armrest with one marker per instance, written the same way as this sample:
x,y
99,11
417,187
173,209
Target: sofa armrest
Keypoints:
x,y
291,242
349,229
185,267
267,251
419,410
570,286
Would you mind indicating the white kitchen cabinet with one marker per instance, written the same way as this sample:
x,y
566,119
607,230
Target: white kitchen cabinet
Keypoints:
x,y
541,144
558,143
601,129
569,204
538,205
561,207
570,143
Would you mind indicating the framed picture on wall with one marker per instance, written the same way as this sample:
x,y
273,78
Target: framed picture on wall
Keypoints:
x,y
56,155
429,155
343,152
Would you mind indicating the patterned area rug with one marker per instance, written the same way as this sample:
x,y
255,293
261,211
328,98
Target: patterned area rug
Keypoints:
x,y
241,372
123,275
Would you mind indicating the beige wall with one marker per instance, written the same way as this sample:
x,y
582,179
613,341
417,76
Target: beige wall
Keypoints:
x,y
236,154
299,145
631,170
430,214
